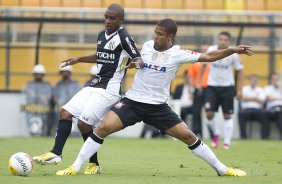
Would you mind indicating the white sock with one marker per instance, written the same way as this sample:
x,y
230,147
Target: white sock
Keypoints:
x,y
204,152
212,124
228,131
88,149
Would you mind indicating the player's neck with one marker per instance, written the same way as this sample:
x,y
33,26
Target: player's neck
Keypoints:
x,y
161,49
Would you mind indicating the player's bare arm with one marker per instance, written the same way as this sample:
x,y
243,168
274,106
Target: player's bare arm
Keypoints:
x,y
219,54
135,63
82,59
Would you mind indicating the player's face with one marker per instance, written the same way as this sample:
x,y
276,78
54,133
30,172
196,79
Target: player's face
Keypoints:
x,y
162,40
113,21
223,41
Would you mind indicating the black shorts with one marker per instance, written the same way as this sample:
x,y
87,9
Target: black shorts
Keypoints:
x,y
159,116
216,96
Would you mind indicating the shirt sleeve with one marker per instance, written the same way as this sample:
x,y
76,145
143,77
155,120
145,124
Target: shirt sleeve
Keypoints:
x,y
128,44
186,56
237,62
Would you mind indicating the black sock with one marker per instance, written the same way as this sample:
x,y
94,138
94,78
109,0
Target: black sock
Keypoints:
x,y
63,132
93,158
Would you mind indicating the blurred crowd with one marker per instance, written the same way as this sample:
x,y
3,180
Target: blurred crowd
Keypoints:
x,y
257,104
41,101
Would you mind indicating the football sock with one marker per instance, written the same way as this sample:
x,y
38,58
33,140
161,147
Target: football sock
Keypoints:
x,y
203,151
93,158
228,131
63,132
90,146
212,127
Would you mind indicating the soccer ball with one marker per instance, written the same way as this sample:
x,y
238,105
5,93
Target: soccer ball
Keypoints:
x,y
20,164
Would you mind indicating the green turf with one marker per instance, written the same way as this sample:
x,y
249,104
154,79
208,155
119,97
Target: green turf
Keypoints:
x,y
135,161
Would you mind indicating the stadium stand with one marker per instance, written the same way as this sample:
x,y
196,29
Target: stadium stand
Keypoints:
x,y
62,41
271,5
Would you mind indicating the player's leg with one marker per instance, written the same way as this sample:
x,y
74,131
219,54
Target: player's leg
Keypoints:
x,y
164,119
227,96
93,167
119,117
211,106
72,108
110,124
183,133
98,104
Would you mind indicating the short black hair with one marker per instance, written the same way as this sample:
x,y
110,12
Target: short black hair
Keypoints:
x,y
169,25
225,33
117,8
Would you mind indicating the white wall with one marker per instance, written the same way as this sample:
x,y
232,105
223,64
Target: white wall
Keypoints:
x,y
11,122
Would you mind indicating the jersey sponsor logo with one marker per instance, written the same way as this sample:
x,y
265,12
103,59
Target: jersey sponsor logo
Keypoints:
x,y
155,67
220,66
130,45
154,56
105,55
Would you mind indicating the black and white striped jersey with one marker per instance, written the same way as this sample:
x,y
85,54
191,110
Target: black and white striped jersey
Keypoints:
x,y
113,53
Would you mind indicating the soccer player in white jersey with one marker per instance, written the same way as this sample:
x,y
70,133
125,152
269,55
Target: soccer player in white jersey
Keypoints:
x,y
146,99
221,89
114,47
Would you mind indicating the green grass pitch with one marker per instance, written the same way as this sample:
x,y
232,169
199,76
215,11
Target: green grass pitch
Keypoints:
x,y
127,161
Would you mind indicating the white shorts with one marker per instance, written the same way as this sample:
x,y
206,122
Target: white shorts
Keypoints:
x,y
90,104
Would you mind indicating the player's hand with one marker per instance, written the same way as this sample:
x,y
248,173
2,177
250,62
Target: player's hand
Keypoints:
x,y
136,63
244,49
70,61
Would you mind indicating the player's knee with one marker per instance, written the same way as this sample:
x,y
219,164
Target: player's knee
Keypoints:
x,y
227,116
83,127
210,115
104,129
65,114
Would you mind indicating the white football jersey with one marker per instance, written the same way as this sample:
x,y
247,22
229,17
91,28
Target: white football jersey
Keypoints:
x,y
152,83
221,71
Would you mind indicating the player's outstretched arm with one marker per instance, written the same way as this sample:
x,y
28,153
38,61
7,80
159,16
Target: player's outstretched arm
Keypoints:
x,y
135,63
219,54
83,59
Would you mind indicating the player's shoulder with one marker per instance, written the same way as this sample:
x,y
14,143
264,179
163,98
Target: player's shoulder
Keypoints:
x,y
176,50
123,32
102,32
149,44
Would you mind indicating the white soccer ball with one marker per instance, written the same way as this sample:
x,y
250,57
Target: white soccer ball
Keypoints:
x,y
20,164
